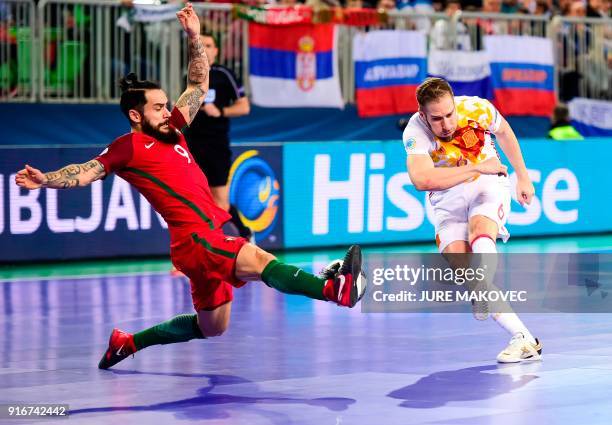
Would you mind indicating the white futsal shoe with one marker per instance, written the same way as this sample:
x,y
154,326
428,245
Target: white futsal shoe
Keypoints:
x,y
520,349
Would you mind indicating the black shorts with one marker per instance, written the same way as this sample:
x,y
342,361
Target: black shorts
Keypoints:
x,y
215,161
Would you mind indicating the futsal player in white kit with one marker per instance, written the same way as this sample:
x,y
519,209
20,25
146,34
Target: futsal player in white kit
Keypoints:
x,y
451,154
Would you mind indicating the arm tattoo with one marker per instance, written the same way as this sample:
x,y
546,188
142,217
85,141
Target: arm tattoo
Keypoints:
x,y
197,78
70,176
191,98
197,73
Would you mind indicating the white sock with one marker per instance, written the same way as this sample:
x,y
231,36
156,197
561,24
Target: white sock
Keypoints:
x,y
511,323
483,244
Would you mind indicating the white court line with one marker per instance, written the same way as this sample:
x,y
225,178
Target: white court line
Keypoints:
x,y
82,276
100,275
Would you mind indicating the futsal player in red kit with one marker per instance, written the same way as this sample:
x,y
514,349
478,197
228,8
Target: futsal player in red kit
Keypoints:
x,y
155,159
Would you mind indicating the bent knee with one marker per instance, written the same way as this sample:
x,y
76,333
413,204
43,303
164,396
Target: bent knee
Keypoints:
x,y
213,329
481,225
457,247
263,258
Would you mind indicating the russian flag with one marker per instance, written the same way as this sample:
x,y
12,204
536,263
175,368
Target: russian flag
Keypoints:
x,y
294,65
389,65
468,73
522,73
592,118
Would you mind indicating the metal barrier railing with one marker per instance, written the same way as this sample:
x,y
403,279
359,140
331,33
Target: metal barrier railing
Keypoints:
x,y
88,45
17,47
584,57
93,44
76,50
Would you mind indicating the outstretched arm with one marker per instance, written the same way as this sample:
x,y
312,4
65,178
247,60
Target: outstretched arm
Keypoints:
x,y
73,175
510,145
197,72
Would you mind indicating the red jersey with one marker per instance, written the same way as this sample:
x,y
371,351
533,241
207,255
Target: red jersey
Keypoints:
x,y
168,176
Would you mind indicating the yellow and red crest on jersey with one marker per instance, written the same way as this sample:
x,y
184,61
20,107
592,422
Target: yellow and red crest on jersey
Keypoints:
x,y
474,117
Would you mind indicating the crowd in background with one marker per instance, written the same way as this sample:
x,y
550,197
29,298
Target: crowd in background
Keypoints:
x,y
590,8
581,45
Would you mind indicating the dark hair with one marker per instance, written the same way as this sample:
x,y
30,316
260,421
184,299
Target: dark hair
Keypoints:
x,y
432,89
561,114
211,35
133,93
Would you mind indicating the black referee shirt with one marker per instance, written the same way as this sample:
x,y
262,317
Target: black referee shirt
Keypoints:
x,y
224,89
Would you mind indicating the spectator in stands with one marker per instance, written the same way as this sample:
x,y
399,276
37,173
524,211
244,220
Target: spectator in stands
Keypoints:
x,y
355,4
319,5
560,125
510,6
444,37
577,9
490,26
437,5
597,9
386,5
491,6
541,8
576,44
419,7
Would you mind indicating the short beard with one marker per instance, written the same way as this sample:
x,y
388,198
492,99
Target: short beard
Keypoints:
x,y
171,137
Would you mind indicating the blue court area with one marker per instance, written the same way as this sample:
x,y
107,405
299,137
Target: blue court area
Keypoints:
x,y
290,360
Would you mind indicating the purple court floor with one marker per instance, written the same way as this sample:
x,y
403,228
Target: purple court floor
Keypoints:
x,y
290,360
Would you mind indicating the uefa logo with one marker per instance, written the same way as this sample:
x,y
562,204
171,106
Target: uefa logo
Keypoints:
x,y
255,191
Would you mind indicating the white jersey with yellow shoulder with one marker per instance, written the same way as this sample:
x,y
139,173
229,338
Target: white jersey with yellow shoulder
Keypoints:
x,y
477,118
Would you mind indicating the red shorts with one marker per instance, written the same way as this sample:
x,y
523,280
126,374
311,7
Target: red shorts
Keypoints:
x,y
208,259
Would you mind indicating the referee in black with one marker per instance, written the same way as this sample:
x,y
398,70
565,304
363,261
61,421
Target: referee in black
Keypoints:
x,y
208,134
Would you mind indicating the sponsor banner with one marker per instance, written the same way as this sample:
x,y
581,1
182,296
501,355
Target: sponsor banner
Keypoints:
x,y
389,65
591,117
294,66
111,219
296,195
522,74
468,73
496,283
255,182
340,193
106,219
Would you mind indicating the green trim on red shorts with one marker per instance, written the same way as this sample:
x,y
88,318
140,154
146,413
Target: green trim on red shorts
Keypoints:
x,y
211,248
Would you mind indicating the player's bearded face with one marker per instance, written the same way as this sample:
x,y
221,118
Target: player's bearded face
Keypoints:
x,y
161,131
441,117
156,118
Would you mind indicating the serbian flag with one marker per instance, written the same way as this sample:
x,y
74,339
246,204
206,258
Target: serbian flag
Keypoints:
x,y
389,65
294,65
522,73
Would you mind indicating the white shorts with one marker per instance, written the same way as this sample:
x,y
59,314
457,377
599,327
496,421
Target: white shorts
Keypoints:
x,y
488,195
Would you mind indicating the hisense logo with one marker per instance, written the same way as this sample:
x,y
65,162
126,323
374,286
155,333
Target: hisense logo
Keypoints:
x,y
368,200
